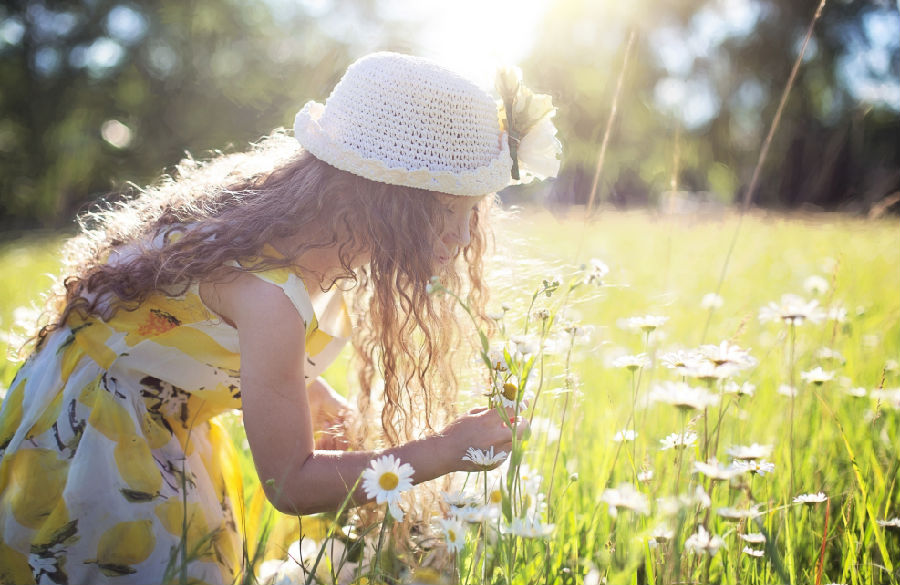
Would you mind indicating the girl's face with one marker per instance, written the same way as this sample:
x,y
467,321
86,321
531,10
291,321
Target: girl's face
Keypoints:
x,y
456,230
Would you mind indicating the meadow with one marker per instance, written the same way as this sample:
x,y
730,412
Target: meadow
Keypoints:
x,y
690,422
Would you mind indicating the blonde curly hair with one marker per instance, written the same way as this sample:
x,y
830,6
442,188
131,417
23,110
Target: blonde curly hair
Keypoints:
x,y
227,208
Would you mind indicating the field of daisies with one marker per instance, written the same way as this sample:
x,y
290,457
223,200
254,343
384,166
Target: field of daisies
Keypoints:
x,y
711,400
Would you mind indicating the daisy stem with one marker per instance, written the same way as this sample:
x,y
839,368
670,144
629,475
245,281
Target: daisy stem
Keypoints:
x,y
384,523
790,518
484,530
562,422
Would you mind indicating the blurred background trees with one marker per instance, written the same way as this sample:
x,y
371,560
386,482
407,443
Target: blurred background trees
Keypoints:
x,y
94,93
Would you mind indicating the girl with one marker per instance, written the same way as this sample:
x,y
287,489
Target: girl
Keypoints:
x,y
221,289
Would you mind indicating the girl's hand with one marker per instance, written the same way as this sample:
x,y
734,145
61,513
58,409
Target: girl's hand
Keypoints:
x,y
481,428
331,415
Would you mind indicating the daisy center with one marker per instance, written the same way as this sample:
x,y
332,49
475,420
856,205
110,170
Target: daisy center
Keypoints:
x,y
496,497
388,480
451,535
510,391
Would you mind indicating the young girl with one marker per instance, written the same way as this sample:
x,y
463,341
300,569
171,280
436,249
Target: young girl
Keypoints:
x,y
221,289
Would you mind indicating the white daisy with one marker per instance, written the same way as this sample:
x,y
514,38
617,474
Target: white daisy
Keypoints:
x,y
754,451
745,389
754,537
837,313
739,513
454,533
715,471
753,552
728,354
826,353
645,476
675,360
892,523
704,543
792,309
683,396
757,466
645,323
460,499
817,376
484,459
632,362
786,390
815,285
857,392
625,496
596,271
477,514
677,441
711,301
528,527
385,479
625,435
810,498
507,392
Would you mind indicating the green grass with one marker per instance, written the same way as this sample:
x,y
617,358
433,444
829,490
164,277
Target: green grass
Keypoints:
x,y
844,446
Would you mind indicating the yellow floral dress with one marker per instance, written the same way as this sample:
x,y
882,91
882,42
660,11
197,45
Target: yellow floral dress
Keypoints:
x,y
113,468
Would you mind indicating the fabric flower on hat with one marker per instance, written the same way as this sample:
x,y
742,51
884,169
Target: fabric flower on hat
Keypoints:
x,y
526,118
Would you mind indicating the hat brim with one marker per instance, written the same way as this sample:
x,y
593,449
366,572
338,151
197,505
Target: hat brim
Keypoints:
x,y
315,139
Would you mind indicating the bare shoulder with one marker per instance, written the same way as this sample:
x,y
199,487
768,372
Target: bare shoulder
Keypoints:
x,y
244,300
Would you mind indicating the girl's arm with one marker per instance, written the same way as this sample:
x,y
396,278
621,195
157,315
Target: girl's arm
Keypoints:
x,y
297,478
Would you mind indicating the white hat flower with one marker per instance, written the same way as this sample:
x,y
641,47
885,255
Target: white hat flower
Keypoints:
x,y
526,118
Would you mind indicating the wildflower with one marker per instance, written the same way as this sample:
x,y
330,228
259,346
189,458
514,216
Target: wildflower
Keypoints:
x,y
701,498
625,496
677,441
526,344
645,476
625,435
891,397
708,371
716,472
892,523
837,313
632,362
857,392
542,314
815,285
826,353
683,396
454,534
753,552
810,498
711,301
645,323
817,376
508,393
727,354
495,315
484,459
891,365
703,542
745,389
459,499
786,390
675,360
596,274
754,451
488,512
528,527
759,467
497,356
739,513
792,310
385,479
754,537
662,533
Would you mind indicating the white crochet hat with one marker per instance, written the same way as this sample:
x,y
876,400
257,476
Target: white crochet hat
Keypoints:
x,y
407,121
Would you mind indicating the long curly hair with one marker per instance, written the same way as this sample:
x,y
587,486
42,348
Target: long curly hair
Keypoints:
x,y
229,207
